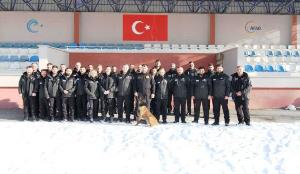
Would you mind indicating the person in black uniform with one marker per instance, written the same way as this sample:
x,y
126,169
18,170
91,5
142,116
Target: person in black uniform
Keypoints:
x,y
180,85
81,97
170,76
201,91
52,87
144,88
92,89
101,103
43,95
36,73
210,72
191,73
220,93
157,64
67,87
240,87
161,95
153,73
27,85
124,84
107,88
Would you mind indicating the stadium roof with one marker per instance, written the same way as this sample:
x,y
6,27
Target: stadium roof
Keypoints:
x,y
157,6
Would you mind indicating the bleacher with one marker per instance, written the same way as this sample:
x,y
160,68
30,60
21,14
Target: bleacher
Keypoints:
x,y
258,58
272,58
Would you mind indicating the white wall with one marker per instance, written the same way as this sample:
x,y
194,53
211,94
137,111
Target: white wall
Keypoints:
x,y
272,29
51,27
52,55
107,28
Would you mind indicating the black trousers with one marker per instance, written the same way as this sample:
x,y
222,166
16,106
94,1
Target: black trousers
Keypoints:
x,y
189,103
205,108
29,104
43,108
179,109
124,103
161,108
92,108
81,105
242,109
170,108
55,110
68,107
108,107
217,103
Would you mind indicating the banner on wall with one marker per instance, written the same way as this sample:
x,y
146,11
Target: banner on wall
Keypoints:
x,y
145,27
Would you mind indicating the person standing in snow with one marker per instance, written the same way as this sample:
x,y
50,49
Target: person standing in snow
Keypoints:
x,y
92,90
124,87
107,88
27,85
52,87
240,88
161,95
201,91
191,73
43,95
180,84
67,87
220,93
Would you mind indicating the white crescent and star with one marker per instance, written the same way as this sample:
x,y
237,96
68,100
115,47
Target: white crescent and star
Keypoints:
x,y
134,30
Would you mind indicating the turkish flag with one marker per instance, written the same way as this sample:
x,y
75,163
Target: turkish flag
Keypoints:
x,y
145,27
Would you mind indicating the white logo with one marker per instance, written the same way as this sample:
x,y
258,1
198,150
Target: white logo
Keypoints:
x,y
134,30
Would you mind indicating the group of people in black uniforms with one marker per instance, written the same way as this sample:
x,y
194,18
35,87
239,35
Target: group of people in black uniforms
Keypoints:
x,y
88,94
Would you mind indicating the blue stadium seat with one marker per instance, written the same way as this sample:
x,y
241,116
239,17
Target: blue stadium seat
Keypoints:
x,y
278,53
280,68
24,58
295,54
14,58
249,68
253,53
286,53
269,68
34,59
269,53
4,58
259,68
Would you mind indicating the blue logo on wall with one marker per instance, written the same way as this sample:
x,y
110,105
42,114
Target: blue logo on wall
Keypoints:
x,y
33,26
252,27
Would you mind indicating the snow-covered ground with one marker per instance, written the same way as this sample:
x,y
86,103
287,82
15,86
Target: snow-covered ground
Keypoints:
x,y
88,148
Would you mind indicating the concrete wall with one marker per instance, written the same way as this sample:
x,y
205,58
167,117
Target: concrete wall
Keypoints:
x,y
253,29
50,27
107,28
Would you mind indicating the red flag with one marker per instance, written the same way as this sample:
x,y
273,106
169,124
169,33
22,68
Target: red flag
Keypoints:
x,y
145,27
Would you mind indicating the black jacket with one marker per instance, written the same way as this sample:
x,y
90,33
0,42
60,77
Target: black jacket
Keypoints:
x,y
92,88
191,74
209,74
201,87
108,84
240,83
69,84
80,84
27,85
144,84
180,85
52,86
220,85
161,87
41,88
124,83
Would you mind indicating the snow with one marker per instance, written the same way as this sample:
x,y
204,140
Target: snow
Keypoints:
x,y
78,148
